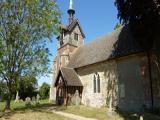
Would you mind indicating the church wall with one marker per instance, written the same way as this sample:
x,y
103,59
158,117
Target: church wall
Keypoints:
x,y
137,83
52,96
66,38
134,89
87,76
123,80
66,49
80,37
52,93
62,50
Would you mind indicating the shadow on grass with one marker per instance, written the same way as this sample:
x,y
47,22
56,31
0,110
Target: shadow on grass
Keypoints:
x,y
45,108
137,116
61,108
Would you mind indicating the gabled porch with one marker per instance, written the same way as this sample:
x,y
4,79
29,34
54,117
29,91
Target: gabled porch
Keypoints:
x,y
66,83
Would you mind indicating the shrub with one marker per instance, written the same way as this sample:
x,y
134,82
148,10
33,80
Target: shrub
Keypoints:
x,y
44,91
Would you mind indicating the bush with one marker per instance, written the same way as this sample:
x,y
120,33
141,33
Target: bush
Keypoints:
x,y
44,91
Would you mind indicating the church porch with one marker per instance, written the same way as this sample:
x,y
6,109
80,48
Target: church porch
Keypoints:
x,y
67,83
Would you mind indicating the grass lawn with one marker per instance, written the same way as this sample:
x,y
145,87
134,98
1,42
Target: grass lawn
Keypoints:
x,y
101,113
98,113
21,105
44,112
20,112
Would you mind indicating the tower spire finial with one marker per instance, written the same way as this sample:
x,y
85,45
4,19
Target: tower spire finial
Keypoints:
x,y
71,11
71,4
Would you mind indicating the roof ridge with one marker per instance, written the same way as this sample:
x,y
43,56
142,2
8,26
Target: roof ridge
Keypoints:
x,y
104,35
117,43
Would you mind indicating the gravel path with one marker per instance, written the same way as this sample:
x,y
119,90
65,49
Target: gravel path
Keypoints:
x,y
69,115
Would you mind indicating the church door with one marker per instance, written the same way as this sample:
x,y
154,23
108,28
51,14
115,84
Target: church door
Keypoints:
x,y
60,93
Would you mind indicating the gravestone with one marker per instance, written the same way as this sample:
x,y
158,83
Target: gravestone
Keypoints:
x,y
0,98
17,97
110,104
37,98
77,98
141,118
33,100
110,110
28,101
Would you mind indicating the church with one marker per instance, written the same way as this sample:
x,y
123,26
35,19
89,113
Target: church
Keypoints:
x,y
112,70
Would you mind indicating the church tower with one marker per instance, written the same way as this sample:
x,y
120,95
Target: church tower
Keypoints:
x,y
71,37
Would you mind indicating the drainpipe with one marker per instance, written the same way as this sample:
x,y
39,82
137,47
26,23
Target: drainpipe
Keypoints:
x,y
150,78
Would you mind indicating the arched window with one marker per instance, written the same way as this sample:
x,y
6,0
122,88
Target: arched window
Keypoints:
x,y
96,83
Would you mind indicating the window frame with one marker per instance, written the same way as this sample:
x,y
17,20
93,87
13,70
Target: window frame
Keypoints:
x,y
96,83
76,36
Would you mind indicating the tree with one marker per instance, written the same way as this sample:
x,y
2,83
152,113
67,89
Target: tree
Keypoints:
x,y
2,90
44,91
26,26
143,18
27,87
118,25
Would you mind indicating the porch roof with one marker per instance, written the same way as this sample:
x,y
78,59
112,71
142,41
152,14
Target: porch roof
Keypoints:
x,y
69,76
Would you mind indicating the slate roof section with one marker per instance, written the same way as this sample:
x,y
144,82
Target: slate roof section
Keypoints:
x,y
118,43
70,27
69,76
64,27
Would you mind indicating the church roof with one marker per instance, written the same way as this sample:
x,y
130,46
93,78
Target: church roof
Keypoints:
x,y
70,27
64,27
69,76
118,43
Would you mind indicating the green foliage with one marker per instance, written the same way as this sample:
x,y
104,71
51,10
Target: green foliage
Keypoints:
x,y
143,16
27,86
2,90
118,25
26,26
44,91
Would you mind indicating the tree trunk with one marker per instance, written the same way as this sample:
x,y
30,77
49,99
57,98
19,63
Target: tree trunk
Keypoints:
x,y
8,101
8,104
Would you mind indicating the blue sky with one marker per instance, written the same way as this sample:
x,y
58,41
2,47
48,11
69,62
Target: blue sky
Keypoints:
x,y
97,17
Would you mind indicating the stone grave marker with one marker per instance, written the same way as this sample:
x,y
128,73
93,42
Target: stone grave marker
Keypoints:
x,y
17,97
37,98
77,98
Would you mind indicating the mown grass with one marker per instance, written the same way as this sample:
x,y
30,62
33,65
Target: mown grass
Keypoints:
x,y
89,112
103,114
42,111
21,105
